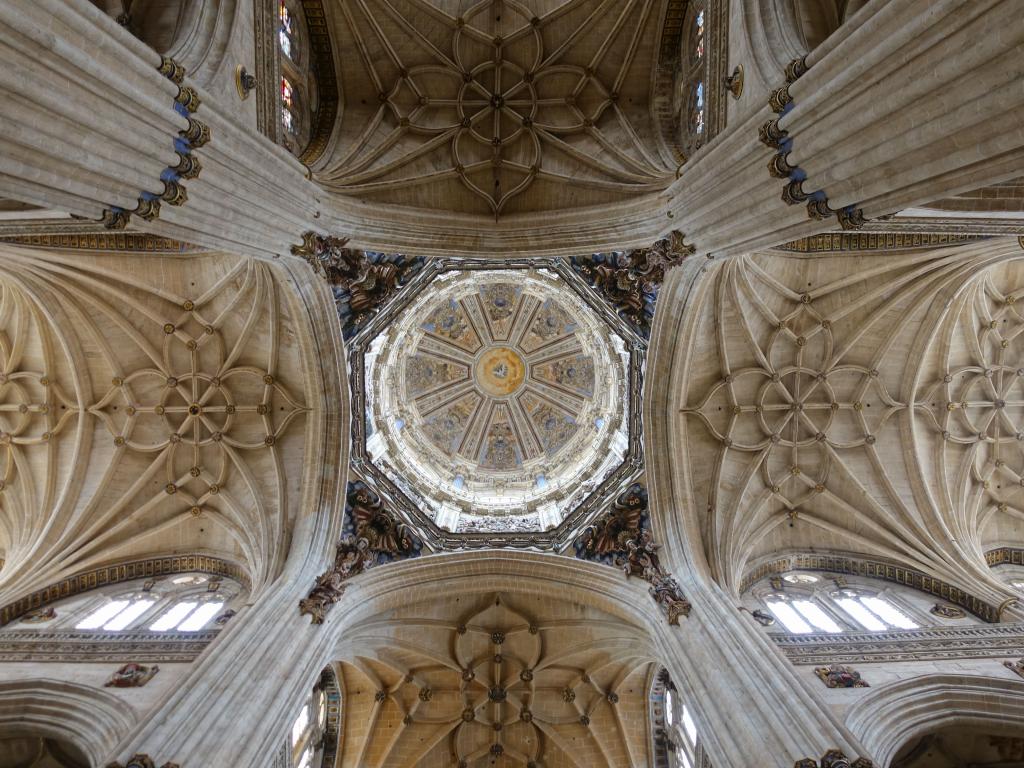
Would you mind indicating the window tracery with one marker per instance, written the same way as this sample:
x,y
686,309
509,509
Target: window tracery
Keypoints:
x,y
313,736
182,603
297,82
676,737
804,603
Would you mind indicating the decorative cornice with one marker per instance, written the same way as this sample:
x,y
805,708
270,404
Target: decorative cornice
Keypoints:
x,y
75,234
372,536
834,758
876,569
922,644
630,280
831,242
82,646
121,572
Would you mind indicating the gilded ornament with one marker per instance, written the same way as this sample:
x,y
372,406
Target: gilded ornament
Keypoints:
x,y
244,82
734,82
174,193
771,134
779,98
188,166
796,69
197,133
148,208
115,218
851,218
779,166
172,70
188,98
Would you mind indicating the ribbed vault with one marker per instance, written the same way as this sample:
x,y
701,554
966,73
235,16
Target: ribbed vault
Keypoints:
x,y
852,403
498,681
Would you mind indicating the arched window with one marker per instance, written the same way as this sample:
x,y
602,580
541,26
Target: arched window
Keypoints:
x,y
190,602
690,83
297,87
313,737
677,744
803,603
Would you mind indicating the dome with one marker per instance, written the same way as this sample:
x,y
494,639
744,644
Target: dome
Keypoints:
x,y
497,399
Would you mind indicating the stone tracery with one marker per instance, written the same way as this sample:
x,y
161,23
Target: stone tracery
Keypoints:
x,y
498,97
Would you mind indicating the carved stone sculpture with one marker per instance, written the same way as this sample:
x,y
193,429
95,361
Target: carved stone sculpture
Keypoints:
x,y
363,282
1015,666
840,676
131,676
834,758
140,761
630,280
623,521
641,559
351,558
373,536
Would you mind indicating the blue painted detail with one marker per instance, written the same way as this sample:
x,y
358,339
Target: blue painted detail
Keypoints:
x,y
169,174
180,109
182,145
819,195
787,108
148,196
849,209
116,209
798,174
786,145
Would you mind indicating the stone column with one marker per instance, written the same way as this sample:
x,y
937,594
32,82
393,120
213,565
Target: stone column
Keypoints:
x,y
97,124
907,103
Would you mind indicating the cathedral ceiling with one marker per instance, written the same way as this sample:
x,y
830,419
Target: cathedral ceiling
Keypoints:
x,y
497,401
495,681
855,403
147,406
497,107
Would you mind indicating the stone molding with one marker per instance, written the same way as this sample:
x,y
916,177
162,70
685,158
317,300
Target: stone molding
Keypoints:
x,y
831,242
121,572
87,647
924,644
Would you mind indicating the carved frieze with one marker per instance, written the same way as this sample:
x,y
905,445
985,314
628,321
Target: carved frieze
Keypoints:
x,y
86,646
923,644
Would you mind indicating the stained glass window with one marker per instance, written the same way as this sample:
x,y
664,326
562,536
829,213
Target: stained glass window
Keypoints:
x,y
698,36
699,109
286,31
288,106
